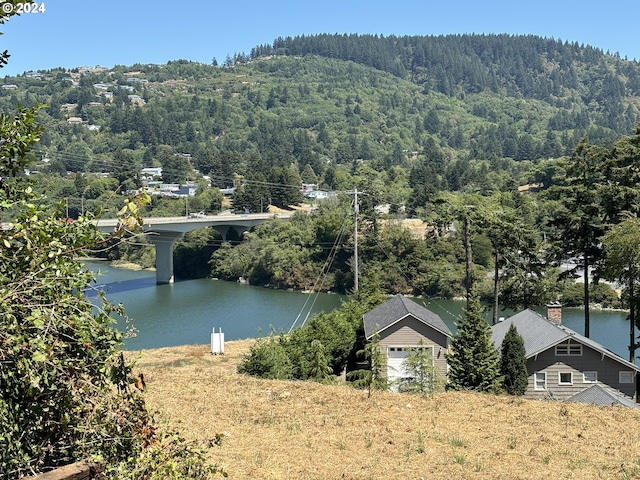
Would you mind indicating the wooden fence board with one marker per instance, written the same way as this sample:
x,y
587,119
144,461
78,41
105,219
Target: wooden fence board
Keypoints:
x,y
85,470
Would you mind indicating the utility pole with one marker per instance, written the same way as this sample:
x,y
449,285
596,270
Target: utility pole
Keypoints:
x,y
355,241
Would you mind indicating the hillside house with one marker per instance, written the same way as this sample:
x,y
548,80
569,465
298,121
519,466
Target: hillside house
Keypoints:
x,y
401,325
562,363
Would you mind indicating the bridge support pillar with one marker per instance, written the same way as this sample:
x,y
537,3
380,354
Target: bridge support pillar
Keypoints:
x,y
164,242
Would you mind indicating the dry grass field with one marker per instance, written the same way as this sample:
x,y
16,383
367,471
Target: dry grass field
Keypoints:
x,y
303,430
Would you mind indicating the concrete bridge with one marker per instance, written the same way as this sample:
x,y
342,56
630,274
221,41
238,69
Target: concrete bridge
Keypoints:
x,y
163,232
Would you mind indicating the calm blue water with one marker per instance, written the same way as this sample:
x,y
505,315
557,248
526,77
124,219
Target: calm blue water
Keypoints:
x,y
185,313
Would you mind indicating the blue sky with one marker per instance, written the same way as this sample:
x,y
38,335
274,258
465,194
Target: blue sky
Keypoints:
x,y
72,33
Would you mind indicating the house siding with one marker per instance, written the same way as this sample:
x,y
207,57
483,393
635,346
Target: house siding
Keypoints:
x,y
590,361
409,332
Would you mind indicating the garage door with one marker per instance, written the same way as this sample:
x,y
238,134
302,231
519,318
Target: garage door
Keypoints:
x,y
395,358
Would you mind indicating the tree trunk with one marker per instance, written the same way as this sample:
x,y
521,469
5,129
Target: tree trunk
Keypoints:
x,y
496,286
469,257
586,296
632,322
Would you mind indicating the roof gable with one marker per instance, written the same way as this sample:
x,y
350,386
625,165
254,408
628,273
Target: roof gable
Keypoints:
x,y
540,334
397,308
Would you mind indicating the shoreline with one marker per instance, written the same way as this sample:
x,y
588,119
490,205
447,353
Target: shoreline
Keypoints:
x,y
125,265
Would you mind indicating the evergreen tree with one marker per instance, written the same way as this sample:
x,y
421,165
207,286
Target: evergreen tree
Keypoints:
x,y
513,363
373,377
580,219
320,370
474,361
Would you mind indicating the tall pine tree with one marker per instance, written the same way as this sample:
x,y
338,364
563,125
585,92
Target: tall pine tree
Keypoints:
x,y
473,365
513,363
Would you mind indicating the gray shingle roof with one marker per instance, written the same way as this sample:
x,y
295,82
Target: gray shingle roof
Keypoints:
x,y
539,334
397,308
601,395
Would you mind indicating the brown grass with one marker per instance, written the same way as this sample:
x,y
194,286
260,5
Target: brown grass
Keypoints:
x,y
303,430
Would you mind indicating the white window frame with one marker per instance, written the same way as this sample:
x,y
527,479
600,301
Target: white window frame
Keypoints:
x,y
568,350
570,382
626,376
536,381
594,374
408,348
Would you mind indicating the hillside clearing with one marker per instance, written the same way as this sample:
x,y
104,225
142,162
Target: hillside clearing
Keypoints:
x,y
303,430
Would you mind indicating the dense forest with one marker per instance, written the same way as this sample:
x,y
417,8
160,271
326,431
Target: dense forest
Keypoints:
x,y
444,129
455,110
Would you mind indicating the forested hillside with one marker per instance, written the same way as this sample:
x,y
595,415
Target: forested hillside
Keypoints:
x,y
465,111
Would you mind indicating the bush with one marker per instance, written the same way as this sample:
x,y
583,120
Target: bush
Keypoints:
x,y
601,293
267,358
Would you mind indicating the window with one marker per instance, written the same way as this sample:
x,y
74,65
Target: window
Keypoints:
x,y
565,349
625,377
590,377
566,378
540,381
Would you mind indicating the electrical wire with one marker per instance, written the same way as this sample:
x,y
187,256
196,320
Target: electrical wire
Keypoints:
x,y
323,274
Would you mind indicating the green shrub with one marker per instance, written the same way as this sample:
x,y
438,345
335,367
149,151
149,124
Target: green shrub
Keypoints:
x,y
601,293
267,358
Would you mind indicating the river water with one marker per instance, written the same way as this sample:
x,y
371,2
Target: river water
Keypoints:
x,y
185,312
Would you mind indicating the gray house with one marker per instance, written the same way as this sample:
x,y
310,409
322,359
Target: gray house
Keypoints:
x,y
402,324
562,363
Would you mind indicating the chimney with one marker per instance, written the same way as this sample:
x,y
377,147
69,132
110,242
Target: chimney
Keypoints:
x,y
554,313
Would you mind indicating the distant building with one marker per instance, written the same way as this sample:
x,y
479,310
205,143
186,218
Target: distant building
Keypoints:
x,y
151,172
136,99
186,190
319,194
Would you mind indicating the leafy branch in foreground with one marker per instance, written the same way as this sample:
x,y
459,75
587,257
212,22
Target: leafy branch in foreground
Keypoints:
x,y
65,383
